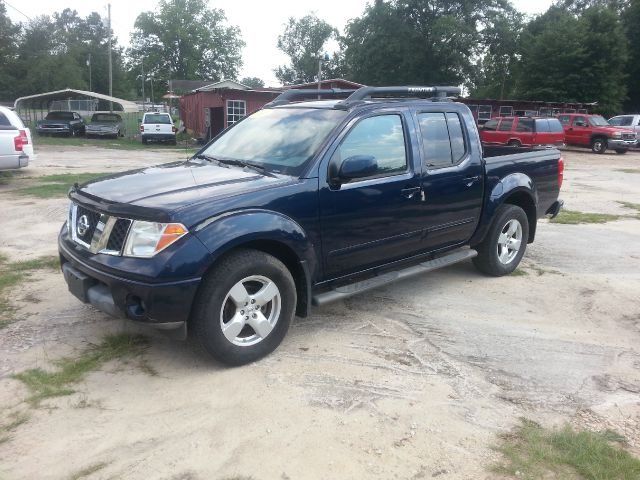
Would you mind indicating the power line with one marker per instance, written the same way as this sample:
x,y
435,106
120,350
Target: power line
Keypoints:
x,y
26,16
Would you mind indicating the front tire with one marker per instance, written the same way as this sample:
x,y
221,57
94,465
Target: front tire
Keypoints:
x,y
599,145
504,245
244,307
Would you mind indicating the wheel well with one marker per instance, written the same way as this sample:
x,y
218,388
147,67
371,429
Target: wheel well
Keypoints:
x,y
287,256
597,136
525,202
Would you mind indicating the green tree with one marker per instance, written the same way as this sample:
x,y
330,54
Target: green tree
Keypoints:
x,y
631,22
582,58
9,35
417,41
303,41
186,39
252,82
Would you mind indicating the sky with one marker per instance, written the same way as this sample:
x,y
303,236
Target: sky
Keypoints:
x,y
260,21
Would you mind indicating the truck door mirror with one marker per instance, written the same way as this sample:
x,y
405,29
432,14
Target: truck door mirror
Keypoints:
x,y
357,166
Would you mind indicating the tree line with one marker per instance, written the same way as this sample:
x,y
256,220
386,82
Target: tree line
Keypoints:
x,y
577,51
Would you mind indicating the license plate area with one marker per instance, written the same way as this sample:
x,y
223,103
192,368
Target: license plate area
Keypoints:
x,y
78,282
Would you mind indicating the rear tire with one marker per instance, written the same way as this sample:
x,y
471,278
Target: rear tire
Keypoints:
x,y
599,145
621,151
505,243
246,289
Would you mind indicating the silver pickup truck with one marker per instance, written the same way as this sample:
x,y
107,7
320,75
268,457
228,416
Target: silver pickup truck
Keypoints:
x,y
16,148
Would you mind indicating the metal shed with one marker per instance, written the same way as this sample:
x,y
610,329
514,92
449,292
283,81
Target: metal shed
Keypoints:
x,y
36,107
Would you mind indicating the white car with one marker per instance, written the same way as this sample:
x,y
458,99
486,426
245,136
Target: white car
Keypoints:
x,y
16,148
632,122
158,127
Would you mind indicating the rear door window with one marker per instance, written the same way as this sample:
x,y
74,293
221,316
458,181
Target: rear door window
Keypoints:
x,y
490,126
525,125
506,125
443,139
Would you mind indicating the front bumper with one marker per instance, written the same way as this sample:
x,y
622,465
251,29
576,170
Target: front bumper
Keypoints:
x,y
101,133
621,144
42,130
164,305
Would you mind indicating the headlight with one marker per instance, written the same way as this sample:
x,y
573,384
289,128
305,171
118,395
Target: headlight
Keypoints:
x,y
616,135
145,239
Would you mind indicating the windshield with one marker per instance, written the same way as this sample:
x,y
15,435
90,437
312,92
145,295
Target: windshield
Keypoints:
x,y
59,116
105,117
157,118
598,121
282,140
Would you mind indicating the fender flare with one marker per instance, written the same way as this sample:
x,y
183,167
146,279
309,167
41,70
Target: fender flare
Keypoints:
x,y
253,227
513,185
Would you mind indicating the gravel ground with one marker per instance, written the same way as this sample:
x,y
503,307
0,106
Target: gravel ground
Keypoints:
x,y
409,381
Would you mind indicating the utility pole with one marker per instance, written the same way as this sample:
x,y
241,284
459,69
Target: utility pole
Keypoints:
x,y
143,97
89,65
110,66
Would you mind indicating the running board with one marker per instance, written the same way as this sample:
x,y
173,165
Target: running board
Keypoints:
x,y
389,277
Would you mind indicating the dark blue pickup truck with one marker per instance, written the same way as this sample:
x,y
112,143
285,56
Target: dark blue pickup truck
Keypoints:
x,y
300,204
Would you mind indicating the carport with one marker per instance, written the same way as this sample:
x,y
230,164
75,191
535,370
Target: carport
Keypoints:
x,y
35,107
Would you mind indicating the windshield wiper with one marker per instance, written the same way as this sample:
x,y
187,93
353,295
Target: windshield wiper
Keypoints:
x,y
237,163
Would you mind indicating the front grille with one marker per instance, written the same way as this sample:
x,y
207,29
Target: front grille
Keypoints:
x,y
118,235
629,136
97,232
86,223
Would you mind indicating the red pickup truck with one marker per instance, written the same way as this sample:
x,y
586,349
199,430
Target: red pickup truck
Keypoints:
x,y
595,132
522,132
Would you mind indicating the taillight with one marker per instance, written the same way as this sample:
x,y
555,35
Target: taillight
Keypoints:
x,y
21,140
560,172
141,128
174,129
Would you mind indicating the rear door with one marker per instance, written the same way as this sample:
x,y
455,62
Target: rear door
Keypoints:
x,y
504,131
525,131
452,179
488,132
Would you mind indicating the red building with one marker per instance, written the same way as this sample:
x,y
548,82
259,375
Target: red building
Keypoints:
x,y
208,110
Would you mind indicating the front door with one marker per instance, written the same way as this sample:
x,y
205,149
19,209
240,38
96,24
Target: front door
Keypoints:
x,y
453,180
579,132
375,219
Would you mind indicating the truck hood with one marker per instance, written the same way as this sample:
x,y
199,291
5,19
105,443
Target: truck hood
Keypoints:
x,y
172,186
612,129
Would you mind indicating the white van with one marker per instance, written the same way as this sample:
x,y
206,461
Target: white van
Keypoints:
x,y
16,148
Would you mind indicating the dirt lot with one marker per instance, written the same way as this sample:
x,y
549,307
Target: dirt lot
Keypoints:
x,y
406,382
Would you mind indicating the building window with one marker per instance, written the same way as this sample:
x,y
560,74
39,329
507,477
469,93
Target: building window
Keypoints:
x,y
506,111
484,112
236,109
546,112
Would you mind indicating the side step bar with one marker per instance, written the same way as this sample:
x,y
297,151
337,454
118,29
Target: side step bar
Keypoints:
x,y
389,277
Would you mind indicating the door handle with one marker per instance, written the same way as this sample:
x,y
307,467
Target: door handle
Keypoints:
x,y
471,180
410,192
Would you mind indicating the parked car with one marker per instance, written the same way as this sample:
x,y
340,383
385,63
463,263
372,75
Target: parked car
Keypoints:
x,y
595,132
523,131
105,125
157,127
632,122
301,204
61,123
16,147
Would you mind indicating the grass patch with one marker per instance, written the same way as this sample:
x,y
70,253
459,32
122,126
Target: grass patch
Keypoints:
x,y
14,273
15,420
632,206
47,384
91,469
533,452
629,170
113,143
518,272
573,217
5,177
57,185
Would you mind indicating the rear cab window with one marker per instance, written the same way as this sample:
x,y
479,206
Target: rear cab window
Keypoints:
x,y
163,118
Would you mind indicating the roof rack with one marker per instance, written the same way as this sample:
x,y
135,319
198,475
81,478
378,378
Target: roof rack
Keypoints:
x,y
288,95
433,93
